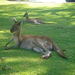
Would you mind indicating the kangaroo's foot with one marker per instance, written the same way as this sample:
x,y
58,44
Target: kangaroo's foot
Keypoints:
x,y
46,56
5,46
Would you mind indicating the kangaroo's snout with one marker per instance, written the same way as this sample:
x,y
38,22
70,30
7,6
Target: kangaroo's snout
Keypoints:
x,y
11,31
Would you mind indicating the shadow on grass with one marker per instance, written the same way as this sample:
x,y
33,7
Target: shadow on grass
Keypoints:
x,y
62,15
29,61
64,12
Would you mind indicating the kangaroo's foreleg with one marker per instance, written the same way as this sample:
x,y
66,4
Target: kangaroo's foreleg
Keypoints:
x,y
8,42
12,47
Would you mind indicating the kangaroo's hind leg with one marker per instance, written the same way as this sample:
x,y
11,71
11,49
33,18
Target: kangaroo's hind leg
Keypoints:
x,y
36,23
47,49
42,45
38,49
46,56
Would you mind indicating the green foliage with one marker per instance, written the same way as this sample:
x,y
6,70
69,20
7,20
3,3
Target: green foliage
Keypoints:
x,y
26,62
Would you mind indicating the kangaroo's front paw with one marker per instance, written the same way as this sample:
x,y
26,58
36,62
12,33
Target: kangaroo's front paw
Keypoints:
x,y
5,46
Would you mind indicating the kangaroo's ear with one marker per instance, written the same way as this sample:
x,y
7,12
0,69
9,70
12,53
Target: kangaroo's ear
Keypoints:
x,y
14,19
21,22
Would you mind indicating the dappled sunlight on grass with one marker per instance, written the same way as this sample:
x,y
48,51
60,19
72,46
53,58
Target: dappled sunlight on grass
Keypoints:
x,y
35,5
63,13
21,59
5,31
50,12
2,37
27,62
73,17
73,23
3,34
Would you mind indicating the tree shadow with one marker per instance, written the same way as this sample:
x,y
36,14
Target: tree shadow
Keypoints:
x,y
29,61
53,14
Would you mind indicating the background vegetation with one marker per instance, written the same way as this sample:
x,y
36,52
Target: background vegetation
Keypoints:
x,y
26,62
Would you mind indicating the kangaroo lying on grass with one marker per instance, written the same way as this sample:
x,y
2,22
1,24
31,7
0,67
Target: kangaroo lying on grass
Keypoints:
x,y
35,21
42,44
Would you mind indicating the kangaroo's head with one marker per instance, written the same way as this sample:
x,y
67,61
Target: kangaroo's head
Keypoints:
x,y
26,14
16,27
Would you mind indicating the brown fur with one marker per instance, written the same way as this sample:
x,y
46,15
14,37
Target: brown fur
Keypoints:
x,y
42,44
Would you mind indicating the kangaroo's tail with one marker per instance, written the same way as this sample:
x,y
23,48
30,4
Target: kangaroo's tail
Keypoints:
x,y
59,51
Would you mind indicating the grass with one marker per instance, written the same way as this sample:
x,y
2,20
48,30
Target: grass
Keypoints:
x,y
27,62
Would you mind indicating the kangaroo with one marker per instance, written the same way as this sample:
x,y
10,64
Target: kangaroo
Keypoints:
x,y
42,44
35,21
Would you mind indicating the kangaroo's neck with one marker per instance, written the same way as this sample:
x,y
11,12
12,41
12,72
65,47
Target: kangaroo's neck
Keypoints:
x,y
18,35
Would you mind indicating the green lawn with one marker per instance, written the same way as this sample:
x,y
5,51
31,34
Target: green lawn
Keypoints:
x,y
27,62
